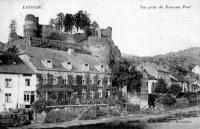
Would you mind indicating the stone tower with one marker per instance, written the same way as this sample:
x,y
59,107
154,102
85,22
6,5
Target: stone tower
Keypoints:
x,y
31,26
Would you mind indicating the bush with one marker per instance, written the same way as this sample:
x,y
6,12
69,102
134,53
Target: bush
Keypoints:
x,y
133,108
191,96
161,86
167,100
41,105
175,89
59,116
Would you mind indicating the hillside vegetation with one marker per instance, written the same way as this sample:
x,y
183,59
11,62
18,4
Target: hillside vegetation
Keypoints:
x,y
180,62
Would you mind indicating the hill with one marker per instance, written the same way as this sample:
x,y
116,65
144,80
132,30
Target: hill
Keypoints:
x,y
180,62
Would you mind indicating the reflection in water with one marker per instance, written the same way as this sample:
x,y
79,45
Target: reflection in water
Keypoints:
x,y
114,125
187,123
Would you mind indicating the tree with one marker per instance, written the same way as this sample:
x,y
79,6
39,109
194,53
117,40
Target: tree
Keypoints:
x,y
13,49
161,86
68,22
125,74
60,23
81,20
175,89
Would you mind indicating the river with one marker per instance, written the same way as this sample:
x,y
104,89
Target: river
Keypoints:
x,y
186,123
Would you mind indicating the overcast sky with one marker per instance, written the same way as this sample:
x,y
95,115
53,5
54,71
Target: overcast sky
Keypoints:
x,y
143,32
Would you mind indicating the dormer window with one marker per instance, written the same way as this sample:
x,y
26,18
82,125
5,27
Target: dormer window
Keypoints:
x,y
86,67
87,46
102,68
67,65
47,63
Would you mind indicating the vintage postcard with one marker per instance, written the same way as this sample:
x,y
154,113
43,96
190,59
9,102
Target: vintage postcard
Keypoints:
x,y
100,64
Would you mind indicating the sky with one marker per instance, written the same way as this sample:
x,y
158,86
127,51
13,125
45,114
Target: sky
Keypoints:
x,y
137,30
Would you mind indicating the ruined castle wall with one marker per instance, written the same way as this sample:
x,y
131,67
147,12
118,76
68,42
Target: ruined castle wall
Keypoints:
x,y
106,33
100,48
21,44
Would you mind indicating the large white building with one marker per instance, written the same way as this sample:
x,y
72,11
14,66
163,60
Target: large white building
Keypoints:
x,y
17,83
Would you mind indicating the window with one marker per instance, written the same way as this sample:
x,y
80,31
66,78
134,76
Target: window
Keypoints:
x,y
8,82
83,95
8,98
83,81
91,94
91,81
100,94
54,80
26,96
45,79
106,82
73,80
97,56
109,81
27,82
107,94
65,81
98,46
99,82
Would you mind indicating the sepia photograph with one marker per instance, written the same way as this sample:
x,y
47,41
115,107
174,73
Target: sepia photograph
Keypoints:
x,y
100,64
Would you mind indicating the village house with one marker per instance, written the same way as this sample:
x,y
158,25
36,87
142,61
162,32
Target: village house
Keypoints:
x,y
17,83
183,83
156,73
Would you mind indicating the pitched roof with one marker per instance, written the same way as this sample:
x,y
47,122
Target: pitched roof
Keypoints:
x,y
179,78
10,63
58,57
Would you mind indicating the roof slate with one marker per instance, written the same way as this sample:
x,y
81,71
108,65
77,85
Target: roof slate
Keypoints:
x,y
58,57
10,63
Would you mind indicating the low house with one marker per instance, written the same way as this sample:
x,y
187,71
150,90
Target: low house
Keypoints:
x,y
17,83
156,73
177,79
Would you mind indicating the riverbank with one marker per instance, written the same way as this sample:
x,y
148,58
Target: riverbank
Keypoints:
x,y
140,117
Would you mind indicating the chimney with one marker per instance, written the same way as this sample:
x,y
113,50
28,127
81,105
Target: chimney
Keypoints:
x,y
70,51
